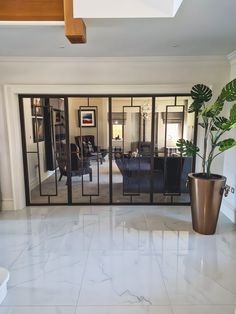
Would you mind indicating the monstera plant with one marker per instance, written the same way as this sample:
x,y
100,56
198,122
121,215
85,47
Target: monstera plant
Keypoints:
x,y
206,188
214,124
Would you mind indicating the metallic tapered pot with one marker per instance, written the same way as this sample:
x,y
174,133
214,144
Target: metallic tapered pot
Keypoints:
x,y
206,196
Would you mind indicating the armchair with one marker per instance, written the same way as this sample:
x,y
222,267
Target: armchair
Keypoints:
x,y
79,167
87,147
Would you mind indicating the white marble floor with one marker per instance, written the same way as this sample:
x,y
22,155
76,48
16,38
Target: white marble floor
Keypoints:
x,y
112,260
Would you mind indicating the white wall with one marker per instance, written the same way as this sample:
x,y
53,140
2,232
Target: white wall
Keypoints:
x,y
5,176
71,76
229,203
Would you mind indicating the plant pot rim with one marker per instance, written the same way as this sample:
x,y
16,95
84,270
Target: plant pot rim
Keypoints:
x,y
194,175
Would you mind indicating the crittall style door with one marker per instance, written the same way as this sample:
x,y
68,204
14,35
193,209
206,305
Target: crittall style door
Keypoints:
x,y
105,149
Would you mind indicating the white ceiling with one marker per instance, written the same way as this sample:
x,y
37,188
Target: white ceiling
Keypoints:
x,y
200,27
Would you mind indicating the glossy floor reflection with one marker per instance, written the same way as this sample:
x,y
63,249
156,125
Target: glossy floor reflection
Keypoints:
x,y
111,259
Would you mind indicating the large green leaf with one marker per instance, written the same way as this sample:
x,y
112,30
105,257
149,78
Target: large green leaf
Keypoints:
x,y
226,144
195,106
228,93
208,112
201,93
222,123
186,147
213,110
232,115
226,124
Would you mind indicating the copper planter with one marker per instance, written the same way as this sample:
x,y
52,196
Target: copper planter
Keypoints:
x,y
206,196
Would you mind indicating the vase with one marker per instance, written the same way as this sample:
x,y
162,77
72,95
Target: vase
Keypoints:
x,y
206,197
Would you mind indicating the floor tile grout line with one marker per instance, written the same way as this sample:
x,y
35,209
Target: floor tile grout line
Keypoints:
x,y
18,256
159,267
85,268
162,278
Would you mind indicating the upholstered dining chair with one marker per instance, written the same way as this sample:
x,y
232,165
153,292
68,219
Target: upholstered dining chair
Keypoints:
x,y
79,166
88,149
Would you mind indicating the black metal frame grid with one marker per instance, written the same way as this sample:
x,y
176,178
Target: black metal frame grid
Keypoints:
x,y
109,96
24,145
82,154
165,148
123,144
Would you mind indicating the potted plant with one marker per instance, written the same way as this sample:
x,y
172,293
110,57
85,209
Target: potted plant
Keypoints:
x,y
206,188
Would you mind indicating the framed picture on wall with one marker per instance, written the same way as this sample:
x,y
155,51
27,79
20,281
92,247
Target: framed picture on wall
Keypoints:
x,y
36,107
87,117
38,130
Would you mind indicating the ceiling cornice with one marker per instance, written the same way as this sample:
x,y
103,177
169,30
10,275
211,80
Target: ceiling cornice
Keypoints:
x,y
232,57
157,59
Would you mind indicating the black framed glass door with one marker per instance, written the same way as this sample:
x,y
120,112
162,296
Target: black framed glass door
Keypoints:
x,y
106,149
132,149
44,129
89,145
147,167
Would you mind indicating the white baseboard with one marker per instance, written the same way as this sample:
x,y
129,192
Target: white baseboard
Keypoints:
x,y
228,210
7,204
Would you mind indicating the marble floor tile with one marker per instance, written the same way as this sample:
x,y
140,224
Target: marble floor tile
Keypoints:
x,y
70,237
128,233
37,310
45,279
10,256
116,259
123,310
122,278
188,280
204,309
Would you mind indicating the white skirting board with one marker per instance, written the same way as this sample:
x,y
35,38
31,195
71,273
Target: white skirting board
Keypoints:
x,y
229,210
4,277
7,204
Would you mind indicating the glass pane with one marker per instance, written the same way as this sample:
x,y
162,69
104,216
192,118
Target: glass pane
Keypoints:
x,y
131,152
188,133
120,145
172,121
141,164
140,169
89,143
188,117
43,171
56,150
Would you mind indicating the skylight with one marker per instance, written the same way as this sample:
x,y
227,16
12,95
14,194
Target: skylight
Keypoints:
x,y
125,8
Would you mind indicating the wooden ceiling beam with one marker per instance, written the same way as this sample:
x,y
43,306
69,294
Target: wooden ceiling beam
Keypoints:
x,y
31,10
45,10
75,29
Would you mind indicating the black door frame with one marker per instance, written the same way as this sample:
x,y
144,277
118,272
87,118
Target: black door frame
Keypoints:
x,y
109,97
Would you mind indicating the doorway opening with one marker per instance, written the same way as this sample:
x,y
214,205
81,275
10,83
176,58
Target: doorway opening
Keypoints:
x,y
102,149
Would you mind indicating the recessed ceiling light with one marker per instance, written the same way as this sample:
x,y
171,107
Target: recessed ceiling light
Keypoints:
x,y
175,45
62,46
